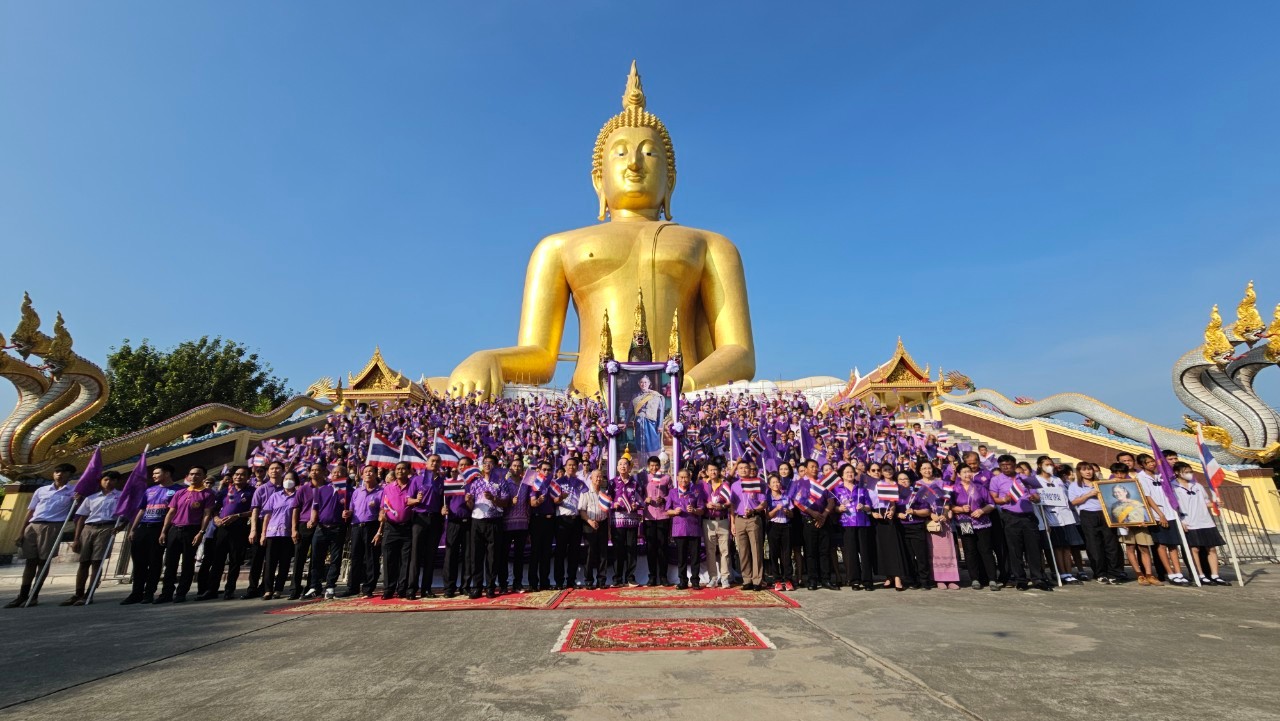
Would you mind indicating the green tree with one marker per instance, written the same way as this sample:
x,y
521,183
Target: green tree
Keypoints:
x,y
149,385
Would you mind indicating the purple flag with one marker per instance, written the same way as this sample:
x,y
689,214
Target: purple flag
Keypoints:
x,y
88,483
806,441
133,495
1166,473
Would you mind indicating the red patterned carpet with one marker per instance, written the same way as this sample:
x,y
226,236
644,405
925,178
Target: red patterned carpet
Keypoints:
x,y
541,600
661,634
669,597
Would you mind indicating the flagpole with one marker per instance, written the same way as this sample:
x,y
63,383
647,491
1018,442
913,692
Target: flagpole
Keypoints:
x,y
1053,557
1191,561
97,576
1226,533
44,570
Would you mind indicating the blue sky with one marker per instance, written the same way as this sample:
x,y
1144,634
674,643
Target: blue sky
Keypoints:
x,y
1046,196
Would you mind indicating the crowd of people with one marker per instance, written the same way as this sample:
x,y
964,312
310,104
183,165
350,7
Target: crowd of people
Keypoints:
x,y
767,492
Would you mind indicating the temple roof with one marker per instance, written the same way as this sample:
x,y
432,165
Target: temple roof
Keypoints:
x,y
899,372
377,377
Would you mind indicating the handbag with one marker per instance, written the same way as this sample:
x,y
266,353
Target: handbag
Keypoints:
x,y
933,526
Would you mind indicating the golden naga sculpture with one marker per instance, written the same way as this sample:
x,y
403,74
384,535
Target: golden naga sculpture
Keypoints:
x,y
695,272
1249,325
1217,349
66,390
1273,338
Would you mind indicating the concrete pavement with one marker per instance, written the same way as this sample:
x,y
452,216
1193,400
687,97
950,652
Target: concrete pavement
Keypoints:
x,y
1106,653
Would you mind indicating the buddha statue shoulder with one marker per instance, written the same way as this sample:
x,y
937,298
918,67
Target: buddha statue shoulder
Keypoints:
x,y
697,273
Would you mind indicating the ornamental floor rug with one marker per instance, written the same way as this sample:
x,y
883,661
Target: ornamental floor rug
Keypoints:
x,y
670,597
542,600
660,634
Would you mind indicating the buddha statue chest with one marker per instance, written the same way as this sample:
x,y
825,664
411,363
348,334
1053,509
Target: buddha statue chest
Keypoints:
x,y
624,256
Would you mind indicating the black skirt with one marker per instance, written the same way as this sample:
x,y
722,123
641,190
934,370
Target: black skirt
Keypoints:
x,y
1204,537
889,557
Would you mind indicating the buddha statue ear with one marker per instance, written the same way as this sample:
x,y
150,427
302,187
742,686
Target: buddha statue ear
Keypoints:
x,y
598,183
666,202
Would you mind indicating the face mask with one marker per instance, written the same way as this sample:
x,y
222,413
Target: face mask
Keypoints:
x,y
290,484
1187,476
1048,470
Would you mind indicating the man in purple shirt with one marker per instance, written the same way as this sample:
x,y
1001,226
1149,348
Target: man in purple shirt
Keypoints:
x,y
568,525
362,513
457,539
426,497
488,501
747,527
627,507
542,530
257,549
685,505
1021,534
329,532
230,535
304,532
655,486
982,476
815,509
146,552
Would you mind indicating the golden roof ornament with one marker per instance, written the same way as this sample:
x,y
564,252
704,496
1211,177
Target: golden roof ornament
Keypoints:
x,y
1217,349
634,115
606,340
1273,338
59,353
673,341
639,321
1249,325
24,336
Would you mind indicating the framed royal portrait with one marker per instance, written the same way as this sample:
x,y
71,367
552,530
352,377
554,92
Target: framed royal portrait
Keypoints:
x,y
642,399
1124,505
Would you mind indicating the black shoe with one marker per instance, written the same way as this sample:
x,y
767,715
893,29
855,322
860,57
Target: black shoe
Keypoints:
x,y
1022,585
1044,586
130,600
429,594
349,593
413,596
206,596
295,596
653,583
450,593
250,594
163,598
180,599
368,595
474,595
868,587
491,593
228,595
695,586
682,586
502,590
147,598
833,585
813,586
15,603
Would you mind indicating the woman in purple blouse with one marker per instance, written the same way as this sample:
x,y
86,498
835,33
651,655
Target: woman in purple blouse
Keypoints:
x,y
685,505
972,512
854,504
279,536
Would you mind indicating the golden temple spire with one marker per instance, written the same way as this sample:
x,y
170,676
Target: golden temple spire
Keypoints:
x,y
1217,349
606,340
1249,325
673,342
633,96
639,323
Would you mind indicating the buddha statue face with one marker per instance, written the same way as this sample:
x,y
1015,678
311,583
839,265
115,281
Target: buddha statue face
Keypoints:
x,y
632,180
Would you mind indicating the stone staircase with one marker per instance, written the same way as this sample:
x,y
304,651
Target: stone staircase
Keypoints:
x,y
956,436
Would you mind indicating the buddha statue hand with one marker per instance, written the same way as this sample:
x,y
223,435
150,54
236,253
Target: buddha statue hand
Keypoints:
x,y
481,371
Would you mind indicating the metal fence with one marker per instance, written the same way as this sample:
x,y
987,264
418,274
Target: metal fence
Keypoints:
x,y
1241,520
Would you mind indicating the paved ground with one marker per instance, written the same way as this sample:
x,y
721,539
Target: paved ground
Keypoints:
x,y
1095,652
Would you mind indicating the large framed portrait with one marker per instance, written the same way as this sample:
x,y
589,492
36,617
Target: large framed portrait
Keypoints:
x,y
642,398
1123,503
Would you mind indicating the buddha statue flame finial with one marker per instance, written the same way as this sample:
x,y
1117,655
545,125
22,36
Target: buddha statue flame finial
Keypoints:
x,y
1217,349
1249,325
606,340
673,341
634,115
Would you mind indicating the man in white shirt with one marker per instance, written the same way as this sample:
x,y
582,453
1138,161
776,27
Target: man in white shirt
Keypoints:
x,y
95,525
38,538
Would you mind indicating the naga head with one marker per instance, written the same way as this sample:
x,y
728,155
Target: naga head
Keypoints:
x,y
27,335
1217,349
1249,325
58,356
1273,338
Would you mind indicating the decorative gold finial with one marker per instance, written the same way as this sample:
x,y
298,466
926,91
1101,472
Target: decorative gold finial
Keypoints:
x,y
1249,325
639,323
24,336
59,354
673,341
606,340
634,95
1217,349
1273,338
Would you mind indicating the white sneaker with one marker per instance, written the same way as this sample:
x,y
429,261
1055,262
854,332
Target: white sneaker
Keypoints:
x,y
311,593
724,583
328,594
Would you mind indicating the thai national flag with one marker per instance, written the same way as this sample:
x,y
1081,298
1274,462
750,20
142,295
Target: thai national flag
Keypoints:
x,y
412,454
751,485
1017,490
606,501
887,492
450,453
726,496
815,493
1212,470
943,437
554,487
382,454
829,481
470,475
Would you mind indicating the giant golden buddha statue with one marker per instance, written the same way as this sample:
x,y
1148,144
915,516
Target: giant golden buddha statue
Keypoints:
x,y
696,272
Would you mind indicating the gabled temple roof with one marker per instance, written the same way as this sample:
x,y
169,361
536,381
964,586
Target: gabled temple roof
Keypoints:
x,y
377,377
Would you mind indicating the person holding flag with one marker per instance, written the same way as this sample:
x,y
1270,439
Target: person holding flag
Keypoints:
x,y
891,561
515,530
396,532
1022,534
657,523
853,503
457,529
542,529
95,525
746,525
972,510
685,505
815,504
38,537
426,500
146,552
715,525
626,517
230,535
488,500
593,508
566,493
1157,484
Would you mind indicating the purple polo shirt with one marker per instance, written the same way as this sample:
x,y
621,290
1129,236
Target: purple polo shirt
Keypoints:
x,y
1000,485
709,495
280,509
189,506
262,494
517,516
685,525
621,488
744,502
457,505
783,501
328,505
976,497
393,500
656,487
546,506
850,498
306,494
235,501
431,486
800,490
921,497
365,504
157,499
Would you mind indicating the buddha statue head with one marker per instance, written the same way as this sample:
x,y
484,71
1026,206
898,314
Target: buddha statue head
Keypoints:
x,y
633,166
